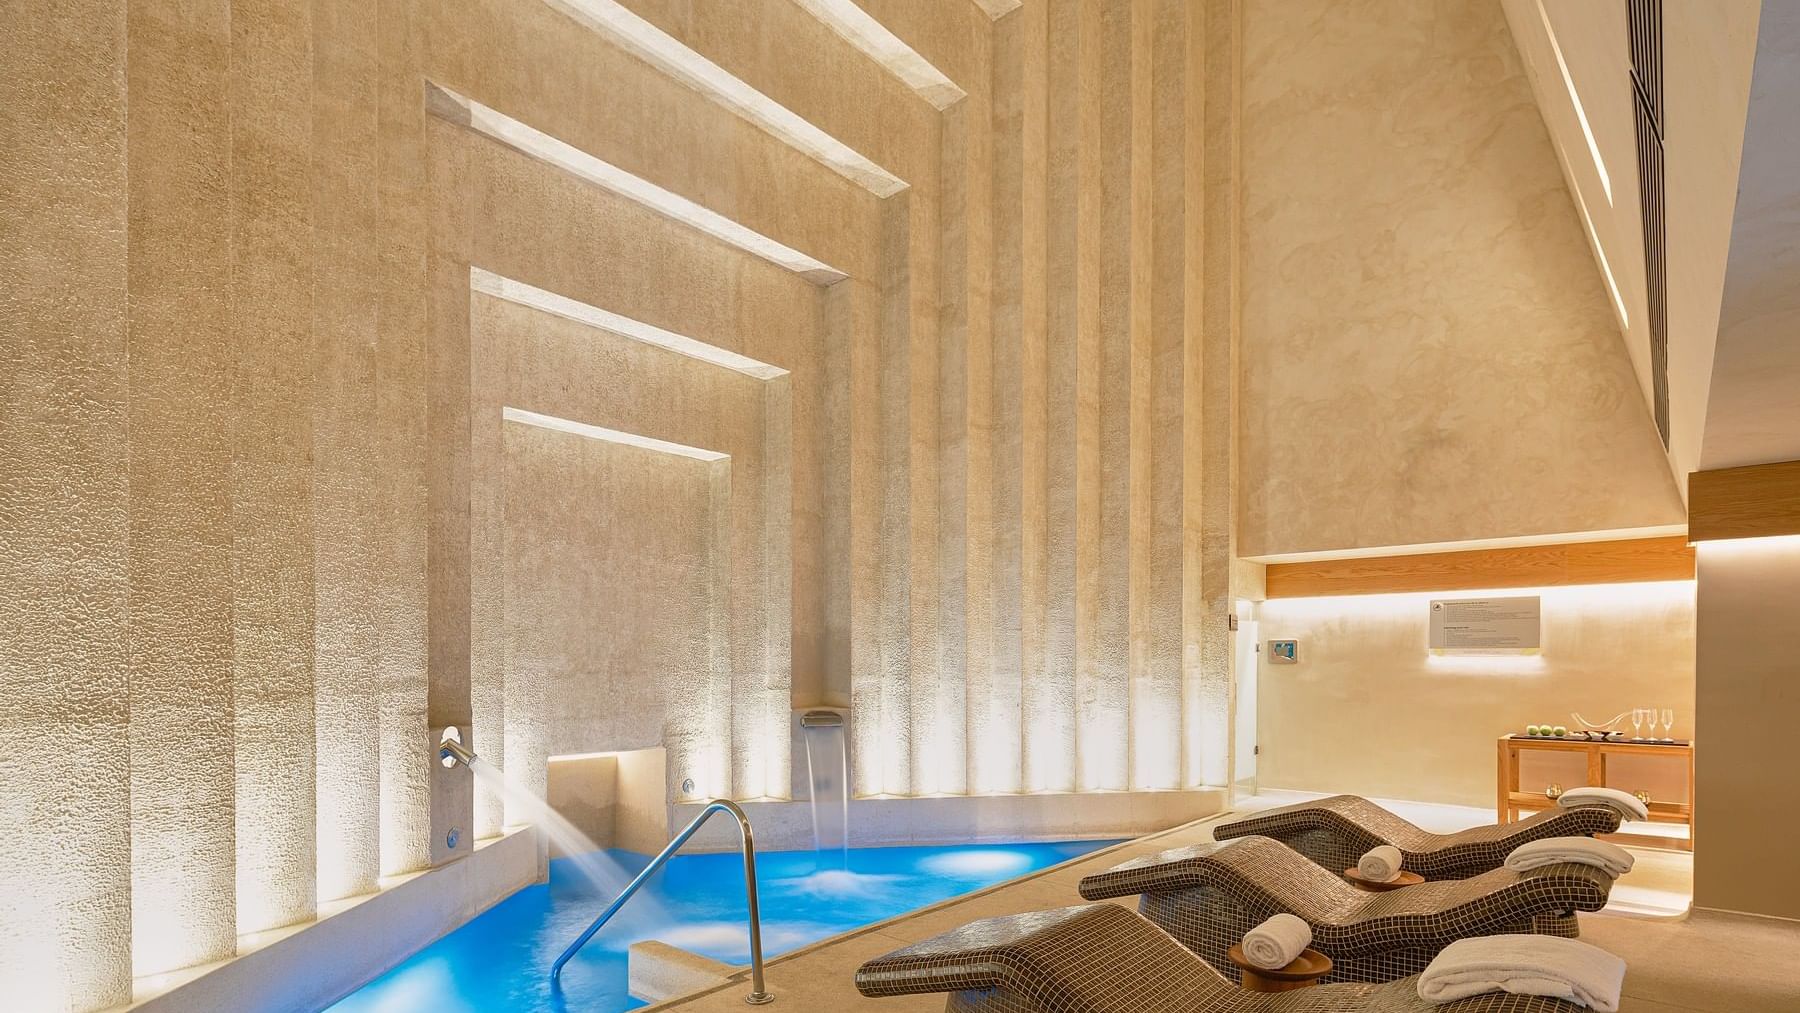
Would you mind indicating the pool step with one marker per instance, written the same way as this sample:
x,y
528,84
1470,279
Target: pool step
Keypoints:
x,y
658,971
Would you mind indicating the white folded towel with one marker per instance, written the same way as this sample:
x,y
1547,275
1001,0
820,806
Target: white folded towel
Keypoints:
x,y
1616,861
1380,865
1627,805
1525,965
1278,942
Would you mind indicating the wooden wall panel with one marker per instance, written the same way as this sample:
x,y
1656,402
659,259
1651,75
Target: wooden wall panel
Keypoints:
x,y
1613,562
1751,502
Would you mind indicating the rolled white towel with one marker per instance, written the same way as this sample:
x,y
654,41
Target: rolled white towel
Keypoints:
x,y
1380,865
1525,965
1616,861
1627,805
1277,942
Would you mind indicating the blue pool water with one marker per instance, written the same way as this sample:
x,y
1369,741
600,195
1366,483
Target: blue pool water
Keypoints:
x,y
501,960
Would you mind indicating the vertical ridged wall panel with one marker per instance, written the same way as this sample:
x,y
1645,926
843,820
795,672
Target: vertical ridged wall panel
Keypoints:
x,y
1209,713
770,774
272,492
450,191
401,411
858,430
976,480
1039,726
1103,398
1158,633
65,853
1052,735
1000,755
183,847
347,472
894,534
955,588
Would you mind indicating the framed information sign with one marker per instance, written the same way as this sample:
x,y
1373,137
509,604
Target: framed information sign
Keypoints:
x,y
1485,625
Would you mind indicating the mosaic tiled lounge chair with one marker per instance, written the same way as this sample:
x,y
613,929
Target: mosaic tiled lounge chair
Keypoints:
x,y
1337,831
1209,895
1104,959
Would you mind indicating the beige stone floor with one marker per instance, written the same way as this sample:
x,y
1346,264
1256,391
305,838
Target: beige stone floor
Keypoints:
x,y
1700,963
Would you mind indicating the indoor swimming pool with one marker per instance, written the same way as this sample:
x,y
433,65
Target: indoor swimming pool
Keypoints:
x,y
501,960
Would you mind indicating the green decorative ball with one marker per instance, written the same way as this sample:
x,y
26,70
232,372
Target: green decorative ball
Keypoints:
x,y
1559,731
1532,730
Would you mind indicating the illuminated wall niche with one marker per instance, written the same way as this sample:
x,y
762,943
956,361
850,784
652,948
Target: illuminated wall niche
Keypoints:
x,y
624,380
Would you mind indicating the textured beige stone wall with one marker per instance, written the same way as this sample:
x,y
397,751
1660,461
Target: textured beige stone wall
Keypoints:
x,y
181,439
883,355
1430,353
65,849
601,642
592,377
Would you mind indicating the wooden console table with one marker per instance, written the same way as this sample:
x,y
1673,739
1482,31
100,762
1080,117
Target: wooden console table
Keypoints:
x,y
1512,802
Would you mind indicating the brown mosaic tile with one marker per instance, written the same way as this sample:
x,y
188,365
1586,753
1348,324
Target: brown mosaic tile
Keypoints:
x,y
1336,831
1208,895
1102,958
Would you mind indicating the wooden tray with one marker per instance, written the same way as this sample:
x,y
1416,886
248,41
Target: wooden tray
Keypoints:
x,y
1306,970
1626,741
1404,879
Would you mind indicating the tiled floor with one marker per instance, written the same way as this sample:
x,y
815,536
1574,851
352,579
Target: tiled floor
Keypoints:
x,y
1700,963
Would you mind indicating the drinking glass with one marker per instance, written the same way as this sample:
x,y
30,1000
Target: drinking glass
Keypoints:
x,y
1637,722
1668,721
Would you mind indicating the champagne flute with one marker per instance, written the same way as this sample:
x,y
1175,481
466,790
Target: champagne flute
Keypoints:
x,y
1637,723
1668,721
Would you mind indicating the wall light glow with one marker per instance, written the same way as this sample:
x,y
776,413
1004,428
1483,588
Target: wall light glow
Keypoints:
x,y
662,51
1634,594
1606,271
1575,98
1563,607
1723,548
858,28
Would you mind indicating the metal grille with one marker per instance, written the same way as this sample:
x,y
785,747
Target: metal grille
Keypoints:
x,y
1645,17
1645,22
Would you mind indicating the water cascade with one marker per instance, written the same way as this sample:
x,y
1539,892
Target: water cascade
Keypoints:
x,y
598,871
828,771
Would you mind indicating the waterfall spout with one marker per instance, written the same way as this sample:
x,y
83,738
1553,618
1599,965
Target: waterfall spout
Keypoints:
x,y
451,750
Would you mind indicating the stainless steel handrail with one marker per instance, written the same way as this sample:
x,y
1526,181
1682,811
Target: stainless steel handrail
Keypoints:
x,y
758,995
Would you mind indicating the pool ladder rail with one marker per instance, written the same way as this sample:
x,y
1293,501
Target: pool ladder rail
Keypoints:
x,y
758,993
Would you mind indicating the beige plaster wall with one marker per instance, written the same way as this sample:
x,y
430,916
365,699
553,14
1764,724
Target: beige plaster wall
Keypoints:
x,y
1430,353
1749,692
1752,414
956,425
1367,709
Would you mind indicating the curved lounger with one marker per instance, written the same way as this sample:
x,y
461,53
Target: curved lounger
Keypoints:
x,y
1337,831
1209,895
1104,959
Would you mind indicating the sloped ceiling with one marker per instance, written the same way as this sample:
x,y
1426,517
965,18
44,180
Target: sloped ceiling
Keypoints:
x,y
1578,59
